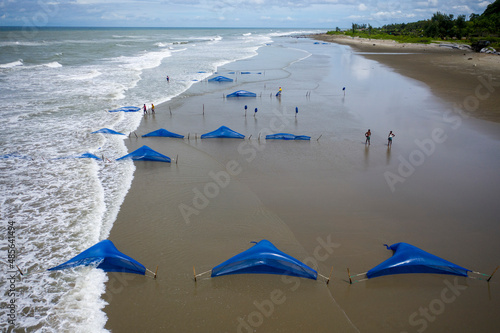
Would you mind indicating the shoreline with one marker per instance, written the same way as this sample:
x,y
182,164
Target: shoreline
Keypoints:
x,y
452,74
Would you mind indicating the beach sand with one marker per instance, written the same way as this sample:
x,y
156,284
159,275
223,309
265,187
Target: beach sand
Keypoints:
x,y
451,73
331,202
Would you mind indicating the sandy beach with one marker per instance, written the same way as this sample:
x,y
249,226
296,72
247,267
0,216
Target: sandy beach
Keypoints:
x,y
452,74
329,202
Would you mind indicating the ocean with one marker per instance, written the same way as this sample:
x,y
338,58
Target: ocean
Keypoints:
x,y
57,86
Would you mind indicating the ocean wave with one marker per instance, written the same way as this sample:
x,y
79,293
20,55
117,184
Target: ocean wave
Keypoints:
x,y
53,64
12,64
147,60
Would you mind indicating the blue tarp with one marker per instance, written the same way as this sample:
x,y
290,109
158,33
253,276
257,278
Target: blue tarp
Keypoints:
x,y
16,155
107,131
220,79
88,155
105,256
287,136
410,259
242,93
126,109
164,133
146,154
264,258
223,132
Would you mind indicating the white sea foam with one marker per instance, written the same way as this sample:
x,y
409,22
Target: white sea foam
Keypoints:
x,y
12,64
53,64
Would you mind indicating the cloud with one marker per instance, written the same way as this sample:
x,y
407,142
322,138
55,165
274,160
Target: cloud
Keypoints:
x,y
250,13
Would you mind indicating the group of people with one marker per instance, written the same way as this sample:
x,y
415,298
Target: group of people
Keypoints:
x,y
389,138
146,109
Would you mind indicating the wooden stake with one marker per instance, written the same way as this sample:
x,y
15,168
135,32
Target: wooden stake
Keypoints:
x,y
176,158
349,274
156,271
493,273
194,273
329,276
203,109
135,135
319,137
19,270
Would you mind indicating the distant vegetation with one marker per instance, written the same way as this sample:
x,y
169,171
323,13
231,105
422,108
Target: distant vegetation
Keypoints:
x,y
485,26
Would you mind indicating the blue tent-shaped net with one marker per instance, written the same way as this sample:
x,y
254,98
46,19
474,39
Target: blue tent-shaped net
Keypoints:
x,y
126,109
287,136
410,259
164,133
88,155
223,132
105,256
146,154
242,93
264,258
107,131
220,79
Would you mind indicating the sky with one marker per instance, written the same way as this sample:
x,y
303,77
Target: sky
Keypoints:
x,y
322,14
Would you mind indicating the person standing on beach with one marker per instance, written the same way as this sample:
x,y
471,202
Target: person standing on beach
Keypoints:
x,y
168,79
152,108
367,135
145,109
389,138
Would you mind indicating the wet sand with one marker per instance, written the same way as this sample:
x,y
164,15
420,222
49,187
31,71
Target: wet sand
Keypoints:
x,y
452,74
328,202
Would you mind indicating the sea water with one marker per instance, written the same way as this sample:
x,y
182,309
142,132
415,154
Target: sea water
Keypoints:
x,y
56,87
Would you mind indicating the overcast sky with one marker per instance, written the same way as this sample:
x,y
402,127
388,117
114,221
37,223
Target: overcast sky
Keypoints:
x,y
326,14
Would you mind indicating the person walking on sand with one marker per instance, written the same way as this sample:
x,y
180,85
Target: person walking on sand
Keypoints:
x,y
145,109
389,138
152,108
168,79
368,135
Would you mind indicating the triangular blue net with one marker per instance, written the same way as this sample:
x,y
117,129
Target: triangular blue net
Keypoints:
x,y
146,154
410,259
220,79
223,132
164,133
264,258
104,255
107,131
242,93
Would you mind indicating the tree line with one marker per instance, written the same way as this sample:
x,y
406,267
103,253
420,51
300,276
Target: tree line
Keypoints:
x,y
440,26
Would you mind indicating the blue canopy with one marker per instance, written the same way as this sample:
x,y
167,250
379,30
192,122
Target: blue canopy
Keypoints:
x,y
242,93
88,155
410,259
107,131
287,136
220,79
264,258
223,132
164,133
146,154
126,109
105,256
